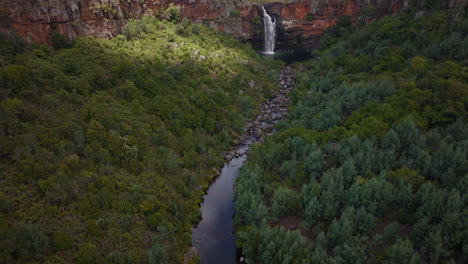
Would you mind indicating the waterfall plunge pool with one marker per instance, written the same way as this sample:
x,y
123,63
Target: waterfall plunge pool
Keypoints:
x,y
288,57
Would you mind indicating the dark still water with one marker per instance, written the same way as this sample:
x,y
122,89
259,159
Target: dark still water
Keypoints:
x,y
213,237
289,57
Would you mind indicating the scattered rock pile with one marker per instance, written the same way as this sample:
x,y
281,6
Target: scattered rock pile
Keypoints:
x,y
271,112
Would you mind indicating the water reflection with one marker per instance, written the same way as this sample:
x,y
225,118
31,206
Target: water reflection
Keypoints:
x,y
213,237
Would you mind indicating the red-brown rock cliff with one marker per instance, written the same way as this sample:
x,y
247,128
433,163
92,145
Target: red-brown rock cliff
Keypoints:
x,y
298,19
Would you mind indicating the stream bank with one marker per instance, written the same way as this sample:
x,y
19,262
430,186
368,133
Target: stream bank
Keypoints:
x,y
213,238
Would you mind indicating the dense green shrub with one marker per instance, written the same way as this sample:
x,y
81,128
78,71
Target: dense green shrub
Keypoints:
x,y
58,40
87,254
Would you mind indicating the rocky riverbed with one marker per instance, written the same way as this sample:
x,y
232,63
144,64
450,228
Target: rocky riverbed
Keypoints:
x,y
270,113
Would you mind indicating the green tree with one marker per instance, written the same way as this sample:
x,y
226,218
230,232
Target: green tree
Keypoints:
x,y
434,247
313,164
346,228
330,204
401,253
15,77
313,211
419,65
172,13
407,132
61,240
30,242
157,254
273,245
87,254
319,256
391,141
282,202
365,222
289,169
334,234
349,172
372,127
58,40
420,230
351,252
407,176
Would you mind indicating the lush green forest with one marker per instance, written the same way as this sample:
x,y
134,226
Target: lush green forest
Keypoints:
x,y
107,146
371,166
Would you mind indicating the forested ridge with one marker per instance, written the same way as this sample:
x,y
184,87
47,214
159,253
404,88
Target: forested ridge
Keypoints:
x,y
371,165
108,145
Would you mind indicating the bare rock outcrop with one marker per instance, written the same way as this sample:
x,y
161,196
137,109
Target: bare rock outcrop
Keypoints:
x,y
300,21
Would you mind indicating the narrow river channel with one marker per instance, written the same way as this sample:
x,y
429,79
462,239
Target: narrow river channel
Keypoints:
x,y
213,238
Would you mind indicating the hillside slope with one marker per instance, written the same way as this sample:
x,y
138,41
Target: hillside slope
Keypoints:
x,y
372,165
107,145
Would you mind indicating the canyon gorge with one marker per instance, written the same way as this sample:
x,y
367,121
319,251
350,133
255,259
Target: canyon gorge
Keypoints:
x,y
233,131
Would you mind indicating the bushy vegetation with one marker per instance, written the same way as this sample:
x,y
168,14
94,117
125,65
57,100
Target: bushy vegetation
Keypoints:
x,y
371,166
107,145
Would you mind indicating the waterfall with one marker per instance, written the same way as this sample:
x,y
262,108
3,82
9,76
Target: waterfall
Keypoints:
x,y
270,32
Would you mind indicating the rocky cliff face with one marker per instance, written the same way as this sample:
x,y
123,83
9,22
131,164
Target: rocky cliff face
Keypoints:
x,y
300,21
34,19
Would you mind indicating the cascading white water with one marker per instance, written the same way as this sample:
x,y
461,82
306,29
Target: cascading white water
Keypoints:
x,y
270,32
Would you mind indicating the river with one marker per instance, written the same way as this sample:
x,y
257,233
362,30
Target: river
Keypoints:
x,y
213,237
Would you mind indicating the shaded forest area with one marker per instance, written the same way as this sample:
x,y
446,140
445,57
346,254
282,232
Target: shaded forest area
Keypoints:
x,y
107,146
371,166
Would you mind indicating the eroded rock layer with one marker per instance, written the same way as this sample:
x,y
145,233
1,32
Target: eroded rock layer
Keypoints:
x,y
300,21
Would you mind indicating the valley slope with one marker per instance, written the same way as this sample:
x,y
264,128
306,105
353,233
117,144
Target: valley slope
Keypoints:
x,y
371,166
108,145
